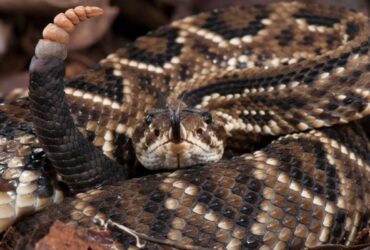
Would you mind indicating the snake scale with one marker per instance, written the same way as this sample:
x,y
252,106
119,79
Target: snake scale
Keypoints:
x,y
282,83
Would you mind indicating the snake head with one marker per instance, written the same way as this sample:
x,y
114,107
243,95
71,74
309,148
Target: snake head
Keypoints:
x,y
174,139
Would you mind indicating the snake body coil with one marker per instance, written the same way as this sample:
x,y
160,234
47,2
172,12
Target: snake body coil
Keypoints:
x,y
295,75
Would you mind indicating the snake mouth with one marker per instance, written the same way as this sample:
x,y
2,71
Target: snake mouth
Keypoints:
x,y
184,140
170,155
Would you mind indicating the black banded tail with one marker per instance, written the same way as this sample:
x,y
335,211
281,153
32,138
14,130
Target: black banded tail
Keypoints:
x,y
76,160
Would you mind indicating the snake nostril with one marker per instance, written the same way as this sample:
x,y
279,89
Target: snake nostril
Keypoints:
x,y
199,131
148,119
207,117
156,132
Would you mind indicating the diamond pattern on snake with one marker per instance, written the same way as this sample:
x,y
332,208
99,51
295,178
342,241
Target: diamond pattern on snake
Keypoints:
x,y
247,121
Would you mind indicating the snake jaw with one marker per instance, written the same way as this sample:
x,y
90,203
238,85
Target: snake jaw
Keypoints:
x,y
172,155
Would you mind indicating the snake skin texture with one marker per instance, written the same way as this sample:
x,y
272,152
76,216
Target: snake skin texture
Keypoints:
x,y
302,190
27,182
265,72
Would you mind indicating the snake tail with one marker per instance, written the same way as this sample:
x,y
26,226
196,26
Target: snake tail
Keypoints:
x,y
75,159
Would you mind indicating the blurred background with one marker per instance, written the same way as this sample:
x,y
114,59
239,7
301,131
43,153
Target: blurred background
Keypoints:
x,y
22,21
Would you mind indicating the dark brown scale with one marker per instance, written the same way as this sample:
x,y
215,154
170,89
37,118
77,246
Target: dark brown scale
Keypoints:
x,y
164,215
216,205
204,50
307,40
145,81
229,213
209,227
285,37
331,42
36,159
251,197
315,225
205,197
332,106
184,73
243,221
222,193
251,242
352,30
364,48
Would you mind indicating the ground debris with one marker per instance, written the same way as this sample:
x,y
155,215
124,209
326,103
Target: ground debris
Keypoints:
x,y
62,236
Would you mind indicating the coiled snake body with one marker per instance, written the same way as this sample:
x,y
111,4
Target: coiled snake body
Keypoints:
x,y
292,74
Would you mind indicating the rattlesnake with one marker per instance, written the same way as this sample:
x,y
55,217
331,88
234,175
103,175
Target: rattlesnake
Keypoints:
x,y
270,78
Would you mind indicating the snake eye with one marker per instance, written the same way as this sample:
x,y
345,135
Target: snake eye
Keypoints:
x,y
148,119
200,131
207,117
157,132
